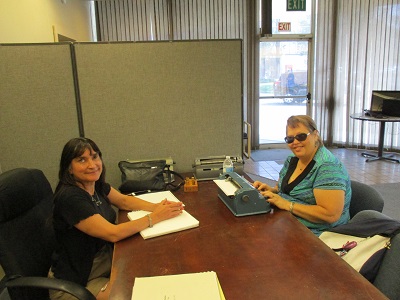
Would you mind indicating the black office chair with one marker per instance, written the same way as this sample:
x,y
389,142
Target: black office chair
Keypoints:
x,y
27,238
364,197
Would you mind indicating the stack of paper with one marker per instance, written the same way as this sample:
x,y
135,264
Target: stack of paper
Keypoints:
x,y
182,222
194,286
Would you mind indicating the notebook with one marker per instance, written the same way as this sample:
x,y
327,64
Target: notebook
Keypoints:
x,y
182,222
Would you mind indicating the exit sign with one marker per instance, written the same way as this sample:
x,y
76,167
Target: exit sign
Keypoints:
x,y
295,5
284,26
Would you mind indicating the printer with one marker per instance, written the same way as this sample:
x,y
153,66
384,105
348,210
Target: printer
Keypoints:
x,y
208,168
240,196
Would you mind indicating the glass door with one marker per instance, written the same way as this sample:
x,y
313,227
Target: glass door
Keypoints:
x,y
284,64
283,86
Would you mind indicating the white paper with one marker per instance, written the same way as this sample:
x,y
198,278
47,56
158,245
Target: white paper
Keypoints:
x,y
158,197
193,286
227,186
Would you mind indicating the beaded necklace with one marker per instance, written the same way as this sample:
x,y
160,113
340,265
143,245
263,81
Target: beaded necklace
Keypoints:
x,y
96,200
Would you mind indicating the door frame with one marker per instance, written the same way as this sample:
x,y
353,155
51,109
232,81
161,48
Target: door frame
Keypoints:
x,y
256,121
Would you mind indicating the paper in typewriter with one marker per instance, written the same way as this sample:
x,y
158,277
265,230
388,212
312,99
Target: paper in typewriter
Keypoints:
x,y
227,186
182,222
193,286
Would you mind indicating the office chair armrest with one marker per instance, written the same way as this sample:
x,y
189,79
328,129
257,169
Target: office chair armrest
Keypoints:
x,y
72,288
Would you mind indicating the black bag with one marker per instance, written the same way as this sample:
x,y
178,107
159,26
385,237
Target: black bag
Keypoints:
x,y
372,237
144,176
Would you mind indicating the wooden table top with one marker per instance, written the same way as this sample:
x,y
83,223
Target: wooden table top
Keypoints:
x,y
266,256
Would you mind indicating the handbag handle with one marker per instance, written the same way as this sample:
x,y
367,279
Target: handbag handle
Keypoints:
x,y
171,186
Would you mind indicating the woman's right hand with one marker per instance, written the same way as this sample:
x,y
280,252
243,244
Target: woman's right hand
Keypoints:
x,y
262,187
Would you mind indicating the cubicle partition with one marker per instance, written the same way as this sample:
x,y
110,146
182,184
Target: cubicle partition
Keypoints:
x,y
141,100
37,106
152,100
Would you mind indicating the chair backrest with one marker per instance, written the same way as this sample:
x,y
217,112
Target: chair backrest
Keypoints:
x,y
26,233
364,197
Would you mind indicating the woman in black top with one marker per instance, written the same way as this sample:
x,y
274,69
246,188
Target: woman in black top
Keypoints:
x,y
84,220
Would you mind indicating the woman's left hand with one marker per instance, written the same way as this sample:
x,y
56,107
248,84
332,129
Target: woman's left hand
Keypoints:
x,y
168,202
166,210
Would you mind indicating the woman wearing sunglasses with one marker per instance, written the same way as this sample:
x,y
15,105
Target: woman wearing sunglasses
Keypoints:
x,y
313,184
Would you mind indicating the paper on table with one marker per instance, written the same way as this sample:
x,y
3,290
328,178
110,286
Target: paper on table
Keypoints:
x,y
227,186
182,222
158,196
193,286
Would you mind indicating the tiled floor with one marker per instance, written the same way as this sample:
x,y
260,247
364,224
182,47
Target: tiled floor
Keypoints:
x,y
373,172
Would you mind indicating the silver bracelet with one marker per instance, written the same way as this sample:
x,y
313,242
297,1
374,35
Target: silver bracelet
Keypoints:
x,y
150,221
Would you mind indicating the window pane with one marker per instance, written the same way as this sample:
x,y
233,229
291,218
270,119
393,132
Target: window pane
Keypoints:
x,y
283,68
283,87
300,21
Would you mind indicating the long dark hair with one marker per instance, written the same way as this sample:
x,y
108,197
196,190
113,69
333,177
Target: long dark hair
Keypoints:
x,y
72,149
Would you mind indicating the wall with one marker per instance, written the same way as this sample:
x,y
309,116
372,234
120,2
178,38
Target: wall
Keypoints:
x,y
32,21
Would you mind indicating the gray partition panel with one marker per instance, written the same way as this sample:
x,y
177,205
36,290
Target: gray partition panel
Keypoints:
x,y
161,99
37,106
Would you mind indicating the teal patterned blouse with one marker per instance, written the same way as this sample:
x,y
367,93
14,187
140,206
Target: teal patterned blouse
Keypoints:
x,y
325,172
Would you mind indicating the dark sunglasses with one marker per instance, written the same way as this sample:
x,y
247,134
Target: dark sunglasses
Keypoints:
x,y
300,137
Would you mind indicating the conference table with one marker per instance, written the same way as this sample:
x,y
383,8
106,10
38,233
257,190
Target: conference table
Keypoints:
x,y
263,256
